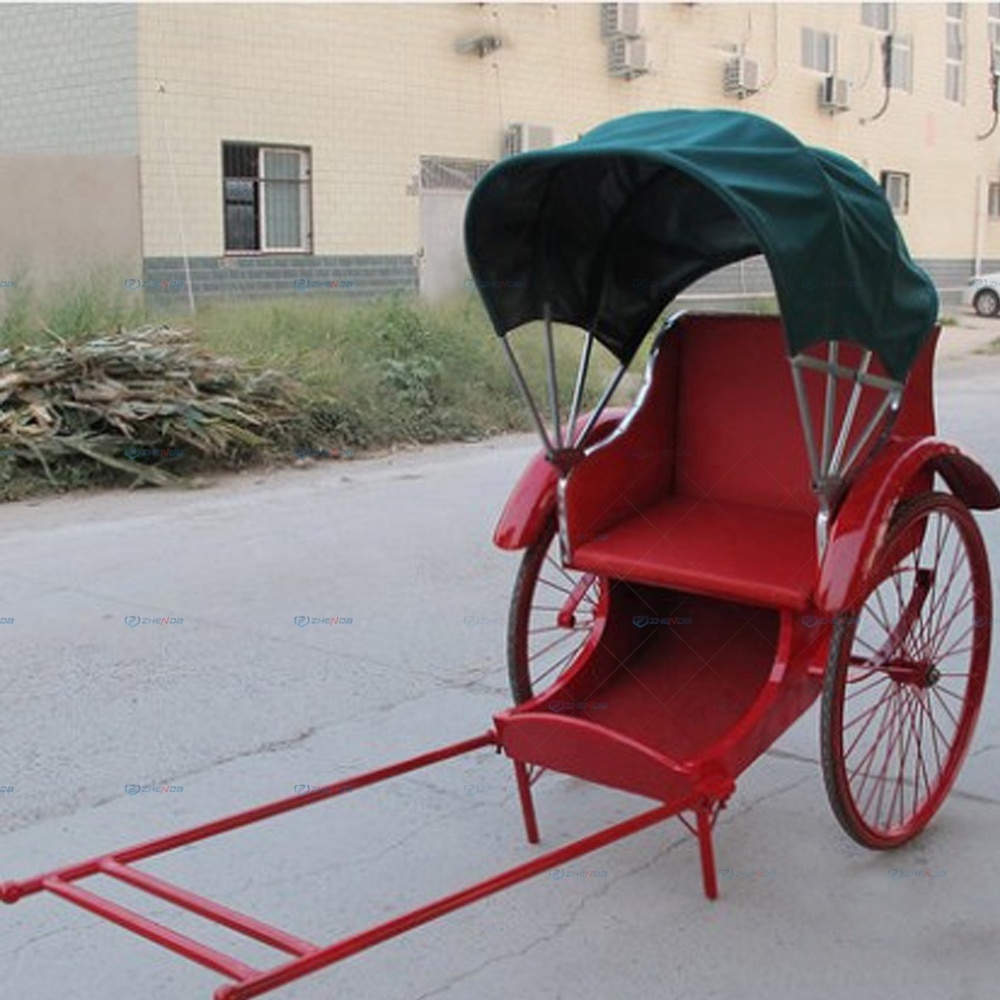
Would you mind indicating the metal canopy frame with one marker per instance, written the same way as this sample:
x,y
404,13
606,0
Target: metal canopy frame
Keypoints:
x,y
563,443
833,453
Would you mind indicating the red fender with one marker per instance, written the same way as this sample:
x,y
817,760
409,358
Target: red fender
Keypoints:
x,y
860,525
533,499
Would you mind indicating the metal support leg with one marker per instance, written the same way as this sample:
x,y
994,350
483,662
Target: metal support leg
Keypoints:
x,y
527,803
705,816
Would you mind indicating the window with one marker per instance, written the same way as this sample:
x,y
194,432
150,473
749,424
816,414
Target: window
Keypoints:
x,y
819,50
450,173
896,186
954,60
993,22
993,201
902,63
877,15
265,192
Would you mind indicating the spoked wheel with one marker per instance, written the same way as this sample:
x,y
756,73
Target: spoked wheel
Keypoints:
x,y
906,675
553,613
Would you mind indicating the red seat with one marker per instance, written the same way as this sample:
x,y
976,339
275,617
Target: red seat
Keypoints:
x,y
748,554
706,488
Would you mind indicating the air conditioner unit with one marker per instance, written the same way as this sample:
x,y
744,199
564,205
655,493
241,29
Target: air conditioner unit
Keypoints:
x,y
741,77
620,20
522,138
627,57
835,94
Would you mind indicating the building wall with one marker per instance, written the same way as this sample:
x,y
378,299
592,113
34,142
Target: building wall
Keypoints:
x,y
68,79
71,215
371,88
69,143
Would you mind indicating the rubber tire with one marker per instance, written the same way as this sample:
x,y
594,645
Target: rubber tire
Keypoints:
x,y
987,303
518,620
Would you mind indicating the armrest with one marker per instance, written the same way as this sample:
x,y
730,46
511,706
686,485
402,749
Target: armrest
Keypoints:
x,y
634,466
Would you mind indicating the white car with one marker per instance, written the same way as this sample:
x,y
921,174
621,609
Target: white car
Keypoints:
x,y
983,294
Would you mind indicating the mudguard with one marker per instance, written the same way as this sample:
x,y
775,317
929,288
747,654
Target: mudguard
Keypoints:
x,y
904,467
533,499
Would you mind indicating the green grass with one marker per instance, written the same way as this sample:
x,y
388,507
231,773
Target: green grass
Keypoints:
x,y
367,375
395,370
72,310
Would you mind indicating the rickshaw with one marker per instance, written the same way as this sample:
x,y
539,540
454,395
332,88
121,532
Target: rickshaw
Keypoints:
x,y
772,520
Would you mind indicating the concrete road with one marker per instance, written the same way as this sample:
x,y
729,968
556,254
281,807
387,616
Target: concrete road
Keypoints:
x,y
236,705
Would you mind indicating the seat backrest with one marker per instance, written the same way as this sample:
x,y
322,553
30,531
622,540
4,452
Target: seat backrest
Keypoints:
x,y
738,433
719,421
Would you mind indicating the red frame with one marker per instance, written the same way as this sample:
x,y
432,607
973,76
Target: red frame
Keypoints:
x,y
310,957
687,716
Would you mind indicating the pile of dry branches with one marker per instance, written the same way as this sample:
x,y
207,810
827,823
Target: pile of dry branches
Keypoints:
x,y
134,404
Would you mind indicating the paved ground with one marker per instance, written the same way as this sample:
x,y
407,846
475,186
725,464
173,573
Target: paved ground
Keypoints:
x,y
967,336
237,705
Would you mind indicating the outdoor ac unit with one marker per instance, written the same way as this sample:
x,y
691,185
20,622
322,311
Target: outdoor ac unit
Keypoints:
x,y
835,94
741,77
620,20
627,57
522,138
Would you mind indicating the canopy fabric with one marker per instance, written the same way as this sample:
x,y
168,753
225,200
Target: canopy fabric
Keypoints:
x,y
609,229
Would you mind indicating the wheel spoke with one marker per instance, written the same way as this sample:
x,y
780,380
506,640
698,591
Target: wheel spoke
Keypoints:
x,y
541,648
880,678
559,568
894,736
555,628
563,660
568,634
878,788
555,586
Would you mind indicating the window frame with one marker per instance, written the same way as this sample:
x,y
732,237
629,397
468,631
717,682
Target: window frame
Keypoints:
x,y
993,201
886,179
954,65
902,44
260,182
814,34
888,9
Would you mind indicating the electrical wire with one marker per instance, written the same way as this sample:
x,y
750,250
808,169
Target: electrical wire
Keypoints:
x,y
886,80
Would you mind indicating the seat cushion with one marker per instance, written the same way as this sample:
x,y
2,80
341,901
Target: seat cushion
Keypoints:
x,y
744,553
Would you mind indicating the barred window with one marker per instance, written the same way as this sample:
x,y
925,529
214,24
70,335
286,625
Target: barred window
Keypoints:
x,y
266,198
451,173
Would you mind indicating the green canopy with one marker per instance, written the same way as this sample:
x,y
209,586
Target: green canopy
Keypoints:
x,y
609,229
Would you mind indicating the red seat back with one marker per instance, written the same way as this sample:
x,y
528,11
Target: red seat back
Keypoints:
x,y
738,434
721,423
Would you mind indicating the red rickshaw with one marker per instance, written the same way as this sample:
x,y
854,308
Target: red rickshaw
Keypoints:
x,y
771,522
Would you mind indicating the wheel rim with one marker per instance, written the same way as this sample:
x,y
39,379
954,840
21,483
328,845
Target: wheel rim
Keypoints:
x,y
908,689
557,612
989,302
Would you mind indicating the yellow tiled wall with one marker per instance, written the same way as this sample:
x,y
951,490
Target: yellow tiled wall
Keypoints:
x,y
371,87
